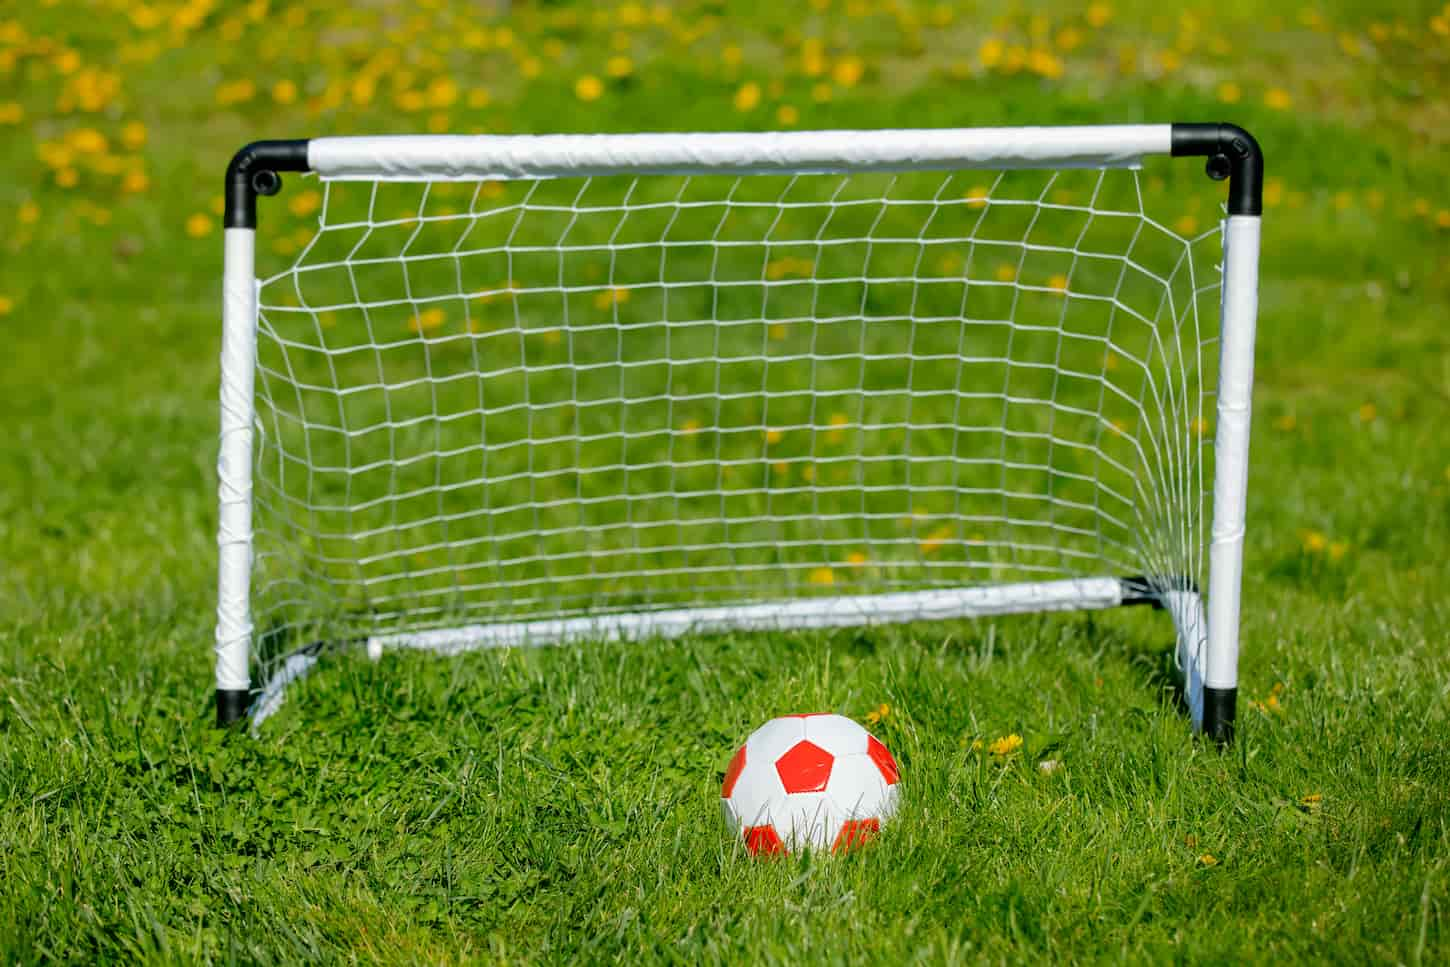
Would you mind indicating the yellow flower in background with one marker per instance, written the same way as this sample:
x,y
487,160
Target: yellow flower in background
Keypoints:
x,y
1208,859
878,714
429,320
1186,225
1098,14
990,53
1006,745
1314,542
856,559
87,141
442,92
936,540
774,436
619,66
1006,272
67,177
11,113
823,576
29,213
787,116
7,305
135,181
1058,283
235,92
199,225
748,97
1367,413
1229,92
305,202
821,93
1278,99
609,298
479,97
133,135
284,91
588,88
848,71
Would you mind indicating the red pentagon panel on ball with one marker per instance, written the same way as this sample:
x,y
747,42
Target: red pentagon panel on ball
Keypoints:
x,y
854,832
882,757
806,767
732,772
763,841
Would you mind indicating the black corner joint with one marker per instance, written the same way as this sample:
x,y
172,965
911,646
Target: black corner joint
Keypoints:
x,y
1141,589
254,171
1219,707
1232,153
231,706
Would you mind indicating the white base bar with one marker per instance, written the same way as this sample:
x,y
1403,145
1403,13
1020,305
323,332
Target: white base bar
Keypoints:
x,y
839,612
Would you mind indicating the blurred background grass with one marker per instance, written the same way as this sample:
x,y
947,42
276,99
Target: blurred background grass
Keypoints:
x,y
133,830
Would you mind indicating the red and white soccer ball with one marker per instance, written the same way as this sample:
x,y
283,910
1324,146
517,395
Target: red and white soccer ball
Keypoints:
x,y
818,781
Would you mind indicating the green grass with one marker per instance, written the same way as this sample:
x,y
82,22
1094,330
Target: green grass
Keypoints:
x,y
560,805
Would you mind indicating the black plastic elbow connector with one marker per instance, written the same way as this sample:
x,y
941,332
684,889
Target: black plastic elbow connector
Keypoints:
x,y
254,171
1232,153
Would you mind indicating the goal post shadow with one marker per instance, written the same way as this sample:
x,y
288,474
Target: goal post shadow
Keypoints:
x,y
1206,632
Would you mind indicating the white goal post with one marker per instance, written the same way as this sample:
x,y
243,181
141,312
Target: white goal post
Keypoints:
x,y
516,390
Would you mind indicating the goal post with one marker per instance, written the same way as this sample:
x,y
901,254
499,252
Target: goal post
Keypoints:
x,y
517,390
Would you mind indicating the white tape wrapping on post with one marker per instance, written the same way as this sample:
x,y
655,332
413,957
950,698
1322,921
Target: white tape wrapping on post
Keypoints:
x,y
234,460
1231,448
445,157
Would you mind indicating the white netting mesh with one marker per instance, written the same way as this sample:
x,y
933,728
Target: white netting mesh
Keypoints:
x,y
497,401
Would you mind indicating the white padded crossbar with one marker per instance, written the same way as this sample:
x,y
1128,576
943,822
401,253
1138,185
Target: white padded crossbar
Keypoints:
x,y
458,157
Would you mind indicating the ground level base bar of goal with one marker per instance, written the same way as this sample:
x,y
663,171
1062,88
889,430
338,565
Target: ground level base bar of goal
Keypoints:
x,y
846,611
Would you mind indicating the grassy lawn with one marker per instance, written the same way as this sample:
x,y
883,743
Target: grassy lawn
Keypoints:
x,y
560,804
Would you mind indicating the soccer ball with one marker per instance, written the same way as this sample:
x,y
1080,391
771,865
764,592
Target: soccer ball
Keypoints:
x,y
817,781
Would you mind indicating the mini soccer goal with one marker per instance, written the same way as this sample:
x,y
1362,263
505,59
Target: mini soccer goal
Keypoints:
x,y
513,391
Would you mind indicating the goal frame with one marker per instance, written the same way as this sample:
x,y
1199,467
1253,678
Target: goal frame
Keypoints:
x,y
1210,682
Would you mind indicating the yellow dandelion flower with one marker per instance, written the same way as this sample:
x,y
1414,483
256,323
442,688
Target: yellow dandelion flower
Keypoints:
x,y
1286,422
823,576
1440,25
1229,92
284,91
11,113
777,331
1312,800
1098,14
822,92
1442,218
1044,63
235,92
67,177
878,714
1421,207
429,320
787,116
439,123
503,37
619,66
848,71
87,141
1058,283
1110,361
135,181
531,67
1337,550
1186,225
936,540
731,54
199,225
133,135
610,298
1207,859
1068,39
690,426
856,558
441,92
1367,412
1314,542
989,54
1278,99
588,88
1006,745
478,98
1006,272
977,196
774,436
29,213
7,305
305,203
976,745
1198,427
747,97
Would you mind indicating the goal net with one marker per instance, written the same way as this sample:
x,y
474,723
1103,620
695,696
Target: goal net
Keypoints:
x,y
523,391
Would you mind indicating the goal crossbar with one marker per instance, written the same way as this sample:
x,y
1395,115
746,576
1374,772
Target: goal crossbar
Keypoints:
x,y
1162,493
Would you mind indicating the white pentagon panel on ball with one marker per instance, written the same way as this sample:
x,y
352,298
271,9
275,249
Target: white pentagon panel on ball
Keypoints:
x,y
775,738
757,794
807,819
836,734
859,791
